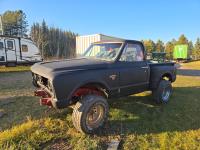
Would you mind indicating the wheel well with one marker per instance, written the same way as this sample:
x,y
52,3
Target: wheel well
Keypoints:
x,y
167,76
91,88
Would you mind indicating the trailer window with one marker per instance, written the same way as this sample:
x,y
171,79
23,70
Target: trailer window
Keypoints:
x,y
24,48
1,45
10,44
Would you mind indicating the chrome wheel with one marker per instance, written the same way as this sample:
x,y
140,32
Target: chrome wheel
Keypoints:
x,y
90,113
163,92
166,94
95,116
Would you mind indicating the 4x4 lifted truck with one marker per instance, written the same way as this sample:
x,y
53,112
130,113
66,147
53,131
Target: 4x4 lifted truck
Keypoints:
x,y
108,69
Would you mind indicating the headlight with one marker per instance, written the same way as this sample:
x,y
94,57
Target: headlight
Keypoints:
x,y
35,79
49,86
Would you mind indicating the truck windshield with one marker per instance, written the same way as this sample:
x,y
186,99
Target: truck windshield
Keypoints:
x,y
105,51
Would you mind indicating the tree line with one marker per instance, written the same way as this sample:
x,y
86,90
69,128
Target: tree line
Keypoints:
x,y
55,42
159,46
51,41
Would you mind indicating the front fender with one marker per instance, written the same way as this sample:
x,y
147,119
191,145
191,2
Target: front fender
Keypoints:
x,y
66,84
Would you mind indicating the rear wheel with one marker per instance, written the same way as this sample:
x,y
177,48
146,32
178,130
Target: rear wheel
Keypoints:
x,y
90,113
163,92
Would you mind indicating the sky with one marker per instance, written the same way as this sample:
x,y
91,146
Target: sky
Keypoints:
x,y
129,19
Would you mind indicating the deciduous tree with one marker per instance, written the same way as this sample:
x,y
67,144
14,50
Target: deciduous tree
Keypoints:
x,y
197,48
149,46
14,23
169,47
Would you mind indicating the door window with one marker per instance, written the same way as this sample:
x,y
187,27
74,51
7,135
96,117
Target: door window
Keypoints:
x,y
132,52
24,48
10,44
1,45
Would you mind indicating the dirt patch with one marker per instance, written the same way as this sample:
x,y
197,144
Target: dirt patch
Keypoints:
x,y
58,144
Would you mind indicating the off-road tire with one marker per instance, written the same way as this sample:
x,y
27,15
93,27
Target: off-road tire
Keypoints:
x,y
82,109
158,93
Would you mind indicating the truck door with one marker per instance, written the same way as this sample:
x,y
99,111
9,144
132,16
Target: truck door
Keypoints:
x,y
134,70
10,49
2,51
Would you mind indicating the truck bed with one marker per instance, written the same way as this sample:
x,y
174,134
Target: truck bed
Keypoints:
x,y
155,63
157,70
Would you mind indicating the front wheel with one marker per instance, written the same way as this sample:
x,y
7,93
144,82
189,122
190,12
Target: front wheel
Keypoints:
x,y
90,113
163,92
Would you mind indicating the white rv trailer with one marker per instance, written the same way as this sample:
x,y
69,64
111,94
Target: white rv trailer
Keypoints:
x,y
84,41
17,50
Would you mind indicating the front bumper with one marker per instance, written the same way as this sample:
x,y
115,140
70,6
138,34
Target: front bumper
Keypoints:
x,y
46,91
47,99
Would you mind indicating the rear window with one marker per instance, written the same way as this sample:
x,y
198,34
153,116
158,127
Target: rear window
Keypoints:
x,y
132,53
24,48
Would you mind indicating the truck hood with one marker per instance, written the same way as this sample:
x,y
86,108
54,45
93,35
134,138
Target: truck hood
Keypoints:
x,y
46,69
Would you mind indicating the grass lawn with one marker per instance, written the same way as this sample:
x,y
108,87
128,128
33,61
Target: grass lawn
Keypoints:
x,y
136,120
192,65
14,69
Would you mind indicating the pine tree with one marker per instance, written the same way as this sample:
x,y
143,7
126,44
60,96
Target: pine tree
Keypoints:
x,y
182,40
190,49
44,40
160,46
53,42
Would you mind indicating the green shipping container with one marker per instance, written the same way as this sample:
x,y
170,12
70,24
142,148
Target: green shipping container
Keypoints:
x,y
180,52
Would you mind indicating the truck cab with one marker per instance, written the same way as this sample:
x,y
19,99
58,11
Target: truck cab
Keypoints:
x,y
131,70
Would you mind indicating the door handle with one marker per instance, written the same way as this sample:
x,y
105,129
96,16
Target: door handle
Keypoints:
x,y
144,67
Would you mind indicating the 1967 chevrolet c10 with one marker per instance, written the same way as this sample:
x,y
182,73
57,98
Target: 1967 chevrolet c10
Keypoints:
x,y
108,69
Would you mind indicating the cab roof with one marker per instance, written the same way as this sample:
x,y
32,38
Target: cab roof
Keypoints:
x,y
117,41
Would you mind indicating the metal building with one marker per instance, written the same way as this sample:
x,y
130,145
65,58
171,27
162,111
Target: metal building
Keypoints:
x,y
84,41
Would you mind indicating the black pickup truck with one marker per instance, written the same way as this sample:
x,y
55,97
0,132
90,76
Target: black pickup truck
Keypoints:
x,y
108,69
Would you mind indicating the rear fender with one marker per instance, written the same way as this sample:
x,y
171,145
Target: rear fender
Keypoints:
x,y
156,80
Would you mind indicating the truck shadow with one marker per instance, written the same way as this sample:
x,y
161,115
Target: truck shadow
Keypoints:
x,y
129,115
141,115
188,72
